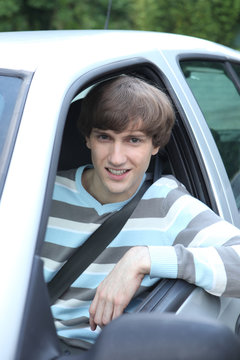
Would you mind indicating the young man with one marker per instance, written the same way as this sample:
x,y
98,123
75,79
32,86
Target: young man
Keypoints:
x,y
169,235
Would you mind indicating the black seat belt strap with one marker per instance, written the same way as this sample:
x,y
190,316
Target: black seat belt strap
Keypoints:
x,y
93,246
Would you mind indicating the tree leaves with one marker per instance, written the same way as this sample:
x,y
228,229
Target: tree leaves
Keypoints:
x,y
215,20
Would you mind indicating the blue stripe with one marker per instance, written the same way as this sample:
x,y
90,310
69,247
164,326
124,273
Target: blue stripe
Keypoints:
x,y
65,237
63,194
150,237
62,313
147,281
83,334
135,238
157,192
90,281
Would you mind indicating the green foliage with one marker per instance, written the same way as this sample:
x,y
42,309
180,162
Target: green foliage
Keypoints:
x,y
26,14
84,14
216,20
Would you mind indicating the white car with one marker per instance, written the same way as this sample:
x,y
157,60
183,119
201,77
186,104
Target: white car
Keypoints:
x,y
42,77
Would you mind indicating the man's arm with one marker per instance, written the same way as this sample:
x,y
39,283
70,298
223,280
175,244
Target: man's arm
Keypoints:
x,y
118,288
199,247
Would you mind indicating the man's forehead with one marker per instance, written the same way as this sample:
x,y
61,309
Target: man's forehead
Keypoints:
x,y
133,126
128,131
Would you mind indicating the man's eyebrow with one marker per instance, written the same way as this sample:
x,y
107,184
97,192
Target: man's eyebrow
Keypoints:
x,y
98,131
129,133
136,133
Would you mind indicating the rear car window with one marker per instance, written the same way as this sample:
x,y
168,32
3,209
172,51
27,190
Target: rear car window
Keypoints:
x,y
219,101
10,87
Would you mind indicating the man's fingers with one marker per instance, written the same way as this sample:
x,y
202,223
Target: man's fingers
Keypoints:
x,y
118,310
93,326
118,288
107,313
101,312
92,312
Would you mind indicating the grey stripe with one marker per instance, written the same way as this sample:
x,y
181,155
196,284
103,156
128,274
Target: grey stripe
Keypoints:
x,y
56,252
151,207
84,294
233,241
79,323
76,343
61,253
201,221
111,255
69,174
79,294
231,262
157,207
71,212
186,268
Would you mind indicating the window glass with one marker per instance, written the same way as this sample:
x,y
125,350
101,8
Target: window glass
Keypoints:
x,y
9,90
219,101
237,69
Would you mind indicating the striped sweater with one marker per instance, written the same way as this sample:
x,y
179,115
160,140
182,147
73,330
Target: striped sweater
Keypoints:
x,y
185,239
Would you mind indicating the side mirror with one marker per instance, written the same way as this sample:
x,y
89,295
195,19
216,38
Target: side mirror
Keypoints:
x,y
163,336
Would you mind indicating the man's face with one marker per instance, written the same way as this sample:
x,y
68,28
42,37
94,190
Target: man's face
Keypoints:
x,y
120,161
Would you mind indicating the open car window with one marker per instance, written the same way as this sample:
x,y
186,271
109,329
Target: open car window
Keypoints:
x,y
219,101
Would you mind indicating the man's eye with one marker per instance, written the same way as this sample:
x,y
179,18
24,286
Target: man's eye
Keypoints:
x,y
135,140
103,137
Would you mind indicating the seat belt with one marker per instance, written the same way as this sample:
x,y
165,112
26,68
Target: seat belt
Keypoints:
x,y
93,246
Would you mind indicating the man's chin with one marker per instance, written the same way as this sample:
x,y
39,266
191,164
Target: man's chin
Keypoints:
x,y
120,193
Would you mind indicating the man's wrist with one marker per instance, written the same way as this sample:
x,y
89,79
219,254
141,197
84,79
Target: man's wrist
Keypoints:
x,y
141,258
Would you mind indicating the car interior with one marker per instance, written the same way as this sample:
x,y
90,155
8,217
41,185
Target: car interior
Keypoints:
x,y
175,159
39,340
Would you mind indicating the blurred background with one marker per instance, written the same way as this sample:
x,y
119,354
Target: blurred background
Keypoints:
x,y
217,20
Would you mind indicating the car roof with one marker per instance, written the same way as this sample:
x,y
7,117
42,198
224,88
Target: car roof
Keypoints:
x,y
28,50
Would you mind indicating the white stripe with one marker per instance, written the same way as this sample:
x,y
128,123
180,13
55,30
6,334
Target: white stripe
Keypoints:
x,y
210,258
236,248
71,303
59,325
166,182
99,269
73,226
215,234
166,222
52,265
66,183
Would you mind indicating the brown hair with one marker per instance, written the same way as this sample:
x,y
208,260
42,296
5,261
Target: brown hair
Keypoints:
x,y
113,104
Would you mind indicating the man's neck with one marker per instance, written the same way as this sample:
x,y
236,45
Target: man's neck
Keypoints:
x,y
104,197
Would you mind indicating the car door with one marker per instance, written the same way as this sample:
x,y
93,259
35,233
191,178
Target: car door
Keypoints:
x,y
38,338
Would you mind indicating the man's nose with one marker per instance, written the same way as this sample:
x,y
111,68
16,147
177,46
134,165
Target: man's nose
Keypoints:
x,y
117,154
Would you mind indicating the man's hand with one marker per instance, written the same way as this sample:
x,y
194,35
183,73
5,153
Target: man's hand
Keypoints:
x,y
118,288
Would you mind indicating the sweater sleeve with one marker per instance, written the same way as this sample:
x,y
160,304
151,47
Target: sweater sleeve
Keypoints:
x,y
205,251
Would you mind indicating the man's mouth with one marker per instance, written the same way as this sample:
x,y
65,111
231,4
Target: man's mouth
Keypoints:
x,y
117,171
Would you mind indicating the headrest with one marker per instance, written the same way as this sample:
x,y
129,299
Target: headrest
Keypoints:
x,y
74,152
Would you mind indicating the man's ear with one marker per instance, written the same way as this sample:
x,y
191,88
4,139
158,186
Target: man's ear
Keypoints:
x,y
88,142
155,150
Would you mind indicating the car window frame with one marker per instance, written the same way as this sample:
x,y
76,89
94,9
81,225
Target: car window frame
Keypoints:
x,y
181,161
